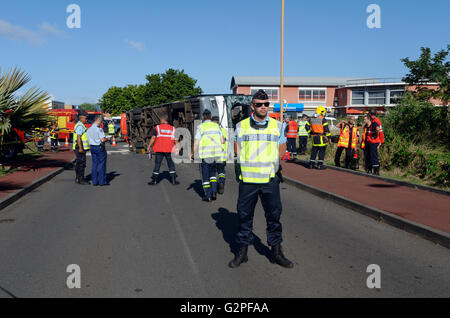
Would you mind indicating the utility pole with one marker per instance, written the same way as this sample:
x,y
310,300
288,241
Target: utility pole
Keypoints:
x,y
282,62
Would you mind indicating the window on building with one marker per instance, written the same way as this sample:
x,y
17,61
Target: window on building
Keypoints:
x,y
396,95
357,97
377,97
309,95
271,92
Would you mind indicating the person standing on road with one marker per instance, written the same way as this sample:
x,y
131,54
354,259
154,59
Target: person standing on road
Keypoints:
x,y
80,147
209,140
291,134
375,138
348,140
97,139
111,130
318,128
163,143
259,144
54,137
303,135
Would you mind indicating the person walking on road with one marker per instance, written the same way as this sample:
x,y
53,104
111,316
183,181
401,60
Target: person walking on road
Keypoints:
x,y
163,143
54,137
375,138
259,144
209,140
97,139
303,135
291,134
348,140
318,128
80,147
222,161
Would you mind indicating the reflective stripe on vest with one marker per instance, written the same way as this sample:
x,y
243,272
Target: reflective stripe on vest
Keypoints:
x,y
165,138
345,136
317,125
84,138
259,156
210,142
302,129
292,130
53,134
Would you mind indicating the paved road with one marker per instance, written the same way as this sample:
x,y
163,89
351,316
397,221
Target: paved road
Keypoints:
x,y
131,240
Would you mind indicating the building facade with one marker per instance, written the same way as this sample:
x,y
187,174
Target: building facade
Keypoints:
x,y
341,96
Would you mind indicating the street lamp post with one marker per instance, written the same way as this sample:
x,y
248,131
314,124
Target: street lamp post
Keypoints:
x,y
282,62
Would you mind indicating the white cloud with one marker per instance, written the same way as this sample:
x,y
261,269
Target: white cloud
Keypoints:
x,y
19,33
140,46
50,29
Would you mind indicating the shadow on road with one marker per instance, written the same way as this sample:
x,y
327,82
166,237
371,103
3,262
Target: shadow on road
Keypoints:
x,y
198,188
228,223
110,176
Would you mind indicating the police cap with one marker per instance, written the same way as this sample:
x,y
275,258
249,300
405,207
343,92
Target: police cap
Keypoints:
x,y
82,113
261,95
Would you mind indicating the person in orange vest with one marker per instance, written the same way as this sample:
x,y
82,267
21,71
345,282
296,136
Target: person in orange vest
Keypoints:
x,y
348,140
163,143
291,135
319,130
375,138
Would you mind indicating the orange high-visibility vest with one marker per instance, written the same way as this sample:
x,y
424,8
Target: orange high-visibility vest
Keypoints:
x,y
363,142
165,138
293,130
373,136
317,125
345,135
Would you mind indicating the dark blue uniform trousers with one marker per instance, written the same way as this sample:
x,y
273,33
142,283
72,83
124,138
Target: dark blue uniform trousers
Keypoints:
x,y
208,169
98,165
271,202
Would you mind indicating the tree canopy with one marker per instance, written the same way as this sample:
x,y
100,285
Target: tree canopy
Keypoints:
x,y
162,88
430,69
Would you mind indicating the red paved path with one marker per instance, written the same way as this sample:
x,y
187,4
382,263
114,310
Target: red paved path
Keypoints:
x,y
32,170
420,206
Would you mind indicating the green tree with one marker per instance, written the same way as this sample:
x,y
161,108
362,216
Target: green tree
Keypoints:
x,y
430,69
89,107
171,86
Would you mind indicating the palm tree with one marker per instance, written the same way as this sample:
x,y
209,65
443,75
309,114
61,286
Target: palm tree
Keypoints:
x,y
22,113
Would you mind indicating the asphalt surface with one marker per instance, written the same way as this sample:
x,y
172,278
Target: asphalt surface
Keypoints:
x,y
133,240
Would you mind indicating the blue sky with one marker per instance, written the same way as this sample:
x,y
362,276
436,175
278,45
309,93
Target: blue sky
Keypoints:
x,y
121,41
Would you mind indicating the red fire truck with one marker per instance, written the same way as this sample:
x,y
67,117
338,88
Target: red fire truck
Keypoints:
x,y
67,119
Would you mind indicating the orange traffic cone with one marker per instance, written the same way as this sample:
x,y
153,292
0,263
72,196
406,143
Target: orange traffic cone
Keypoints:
x,y
67,142
114,142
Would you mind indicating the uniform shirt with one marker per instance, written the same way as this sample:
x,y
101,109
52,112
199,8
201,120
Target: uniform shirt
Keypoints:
x,y
198,133
282,139
95,135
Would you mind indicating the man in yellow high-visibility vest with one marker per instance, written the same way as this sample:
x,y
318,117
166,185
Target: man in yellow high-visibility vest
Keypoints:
x,y
259,144
80,147
209,140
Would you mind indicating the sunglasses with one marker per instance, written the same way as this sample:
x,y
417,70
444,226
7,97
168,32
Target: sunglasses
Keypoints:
x,y
257,105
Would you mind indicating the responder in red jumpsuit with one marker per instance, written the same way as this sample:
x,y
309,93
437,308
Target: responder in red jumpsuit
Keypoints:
x,y
375,138
291,135
163,143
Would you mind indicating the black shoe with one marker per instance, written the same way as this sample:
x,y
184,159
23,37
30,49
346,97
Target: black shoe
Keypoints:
x,y
239,258
205,199
337,165
174,180
311,165
153,182
221,189
214,197
369,171
278,257
83,182
105,185
376,171
321,167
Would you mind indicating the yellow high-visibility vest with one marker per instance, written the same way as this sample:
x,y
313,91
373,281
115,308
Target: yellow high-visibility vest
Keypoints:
x,y
302,129
210,142
111,128
84,138
259,154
